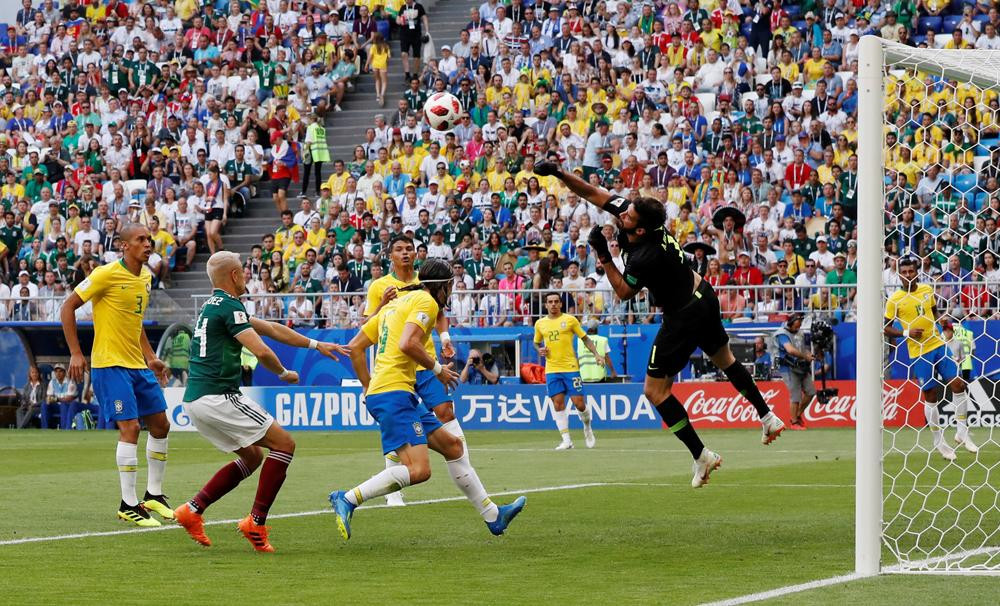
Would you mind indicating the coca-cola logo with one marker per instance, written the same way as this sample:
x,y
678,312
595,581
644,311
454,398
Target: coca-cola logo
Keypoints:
x,y
723,409
844,407
839,408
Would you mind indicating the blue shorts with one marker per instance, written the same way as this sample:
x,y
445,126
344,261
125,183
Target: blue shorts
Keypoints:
x,y
927,368
568,383
127,393
401,418
431,391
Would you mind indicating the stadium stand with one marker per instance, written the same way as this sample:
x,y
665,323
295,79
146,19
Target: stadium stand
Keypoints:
x,y
118,112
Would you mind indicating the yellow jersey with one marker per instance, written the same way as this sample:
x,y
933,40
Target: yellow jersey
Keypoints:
x,y
557,335
119,298
394,370
378,287
915,310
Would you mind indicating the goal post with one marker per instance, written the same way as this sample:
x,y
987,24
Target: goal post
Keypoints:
x,y
915,511
868,437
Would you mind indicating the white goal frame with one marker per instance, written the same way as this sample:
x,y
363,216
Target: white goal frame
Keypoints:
x,y
874,55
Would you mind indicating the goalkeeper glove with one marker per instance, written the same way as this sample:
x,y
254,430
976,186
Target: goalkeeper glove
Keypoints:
x,y
599,244
546,168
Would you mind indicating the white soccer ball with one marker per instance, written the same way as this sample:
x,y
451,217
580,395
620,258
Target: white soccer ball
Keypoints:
x,y
442,111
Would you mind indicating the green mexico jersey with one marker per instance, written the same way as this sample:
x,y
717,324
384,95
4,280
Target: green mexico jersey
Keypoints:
x,y
214,367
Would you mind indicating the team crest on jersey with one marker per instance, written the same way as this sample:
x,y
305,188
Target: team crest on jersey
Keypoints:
x,y
119,406
418,429
562,325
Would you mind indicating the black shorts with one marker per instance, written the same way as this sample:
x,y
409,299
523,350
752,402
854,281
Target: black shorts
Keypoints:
x,y
214,215
410,43
282,183
696,325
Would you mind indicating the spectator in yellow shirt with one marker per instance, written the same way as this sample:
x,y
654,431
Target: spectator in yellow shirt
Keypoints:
x,y
295,252
813,67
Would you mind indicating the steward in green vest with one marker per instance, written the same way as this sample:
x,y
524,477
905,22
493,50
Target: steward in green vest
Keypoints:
x,y
966,346
316,141
590,370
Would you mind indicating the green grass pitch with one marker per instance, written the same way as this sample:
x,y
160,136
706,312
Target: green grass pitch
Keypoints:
x,y
637,534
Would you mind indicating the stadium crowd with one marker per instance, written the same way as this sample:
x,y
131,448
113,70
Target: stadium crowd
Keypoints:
x,y
173,113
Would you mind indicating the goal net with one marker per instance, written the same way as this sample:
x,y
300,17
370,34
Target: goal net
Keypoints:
x,y
930,120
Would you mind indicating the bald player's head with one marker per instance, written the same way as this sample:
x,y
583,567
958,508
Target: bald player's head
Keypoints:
x,y
226,272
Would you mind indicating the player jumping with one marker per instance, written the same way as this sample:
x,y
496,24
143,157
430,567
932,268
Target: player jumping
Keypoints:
x,y
554,341
126,373
691,316
431,392
915,308
401,331
228,419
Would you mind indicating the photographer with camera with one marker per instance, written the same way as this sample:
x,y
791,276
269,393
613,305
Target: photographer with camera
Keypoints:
x,y
480,369
795,362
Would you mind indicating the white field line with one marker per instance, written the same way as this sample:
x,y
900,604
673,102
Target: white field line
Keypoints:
x,y
599,450
299,514
917,567
782,591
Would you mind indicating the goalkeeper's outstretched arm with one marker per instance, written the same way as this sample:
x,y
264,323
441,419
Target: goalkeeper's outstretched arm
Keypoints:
x,y
598,196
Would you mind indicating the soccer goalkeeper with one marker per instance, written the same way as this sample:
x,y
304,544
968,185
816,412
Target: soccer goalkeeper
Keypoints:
x,y
691,317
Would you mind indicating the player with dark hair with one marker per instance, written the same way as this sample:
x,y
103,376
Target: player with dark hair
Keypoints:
x,y
125,371
553,340
400,332
915,308
691,315
431,392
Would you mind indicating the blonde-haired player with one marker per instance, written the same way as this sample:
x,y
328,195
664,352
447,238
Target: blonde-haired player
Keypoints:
x,y
125,372
554,341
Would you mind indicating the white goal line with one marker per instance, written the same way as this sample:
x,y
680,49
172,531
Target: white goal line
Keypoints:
x,y
300,514
847,578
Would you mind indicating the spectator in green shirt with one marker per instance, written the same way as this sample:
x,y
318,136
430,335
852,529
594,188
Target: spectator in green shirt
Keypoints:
x,y
842,275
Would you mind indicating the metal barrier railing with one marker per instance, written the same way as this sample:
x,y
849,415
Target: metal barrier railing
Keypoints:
x,y
738,303
37,309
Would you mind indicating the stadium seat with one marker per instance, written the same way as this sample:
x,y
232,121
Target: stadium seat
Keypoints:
x,y
979,202
978,162
981,19
136,188
949,23
929,23
745,29
749,95
707,101
919,39
793,10
963,183
764,79
799,25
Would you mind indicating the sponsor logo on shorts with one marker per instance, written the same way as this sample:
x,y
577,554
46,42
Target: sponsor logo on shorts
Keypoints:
x,y
418,428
